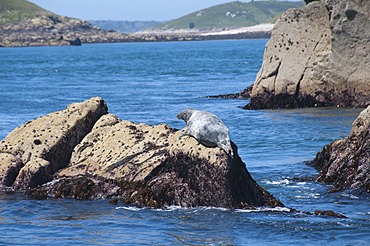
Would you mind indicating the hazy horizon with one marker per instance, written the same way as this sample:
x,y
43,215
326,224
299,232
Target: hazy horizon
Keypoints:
x,y
160,10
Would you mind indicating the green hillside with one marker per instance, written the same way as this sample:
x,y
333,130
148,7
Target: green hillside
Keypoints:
x,y
233,15
17,10
125,26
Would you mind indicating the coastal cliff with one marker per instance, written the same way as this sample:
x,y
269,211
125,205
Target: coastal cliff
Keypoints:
x,y
84,152
317,56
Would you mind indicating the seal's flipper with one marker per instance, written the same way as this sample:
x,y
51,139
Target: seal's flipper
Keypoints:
x,y
184,133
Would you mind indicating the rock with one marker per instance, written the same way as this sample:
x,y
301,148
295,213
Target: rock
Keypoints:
x,y
33,152
345,163
329,213
148,166
245,94
76,42
317,56
139,164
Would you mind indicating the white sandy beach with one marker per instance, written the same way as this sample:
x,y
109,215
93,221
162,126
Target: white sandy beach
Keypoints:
x,y
257,28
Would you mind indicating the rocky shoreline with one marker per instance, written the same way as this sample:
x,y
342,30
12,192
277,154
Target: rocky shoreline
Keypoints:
x,y
23,24
53,30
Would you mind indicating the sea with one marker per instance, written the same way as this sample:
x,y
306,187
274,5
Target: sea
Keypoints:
x,y
150,83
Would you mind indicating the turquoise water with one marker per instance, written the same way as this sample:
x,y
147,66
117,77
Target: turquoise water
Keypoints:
x,y
151,83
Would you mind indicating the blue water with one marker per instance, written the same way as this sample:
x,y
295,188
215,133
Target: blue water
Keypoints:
x,y
151,83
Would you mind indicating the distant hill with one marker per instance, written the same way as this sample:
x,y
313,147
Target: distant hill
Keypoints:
x,y
232,15
25,24
125,26
14,11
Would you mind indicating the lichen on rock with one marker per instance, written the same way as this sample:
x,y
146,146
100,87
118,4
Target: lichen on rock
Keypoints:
x,y
317,56
84,152
33,152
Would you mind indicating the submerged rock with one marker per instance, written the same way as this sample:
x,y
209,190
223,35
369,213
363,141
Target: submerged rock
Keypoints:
x,y
84,152
345,163
317,56
329,213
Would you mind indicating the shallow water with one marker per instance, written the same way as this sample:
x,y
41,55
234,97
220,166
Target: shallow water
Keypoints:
x,y
151,83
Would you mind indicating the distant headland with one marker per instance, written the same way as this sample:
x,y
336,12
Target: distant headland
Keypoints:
x,y
25,24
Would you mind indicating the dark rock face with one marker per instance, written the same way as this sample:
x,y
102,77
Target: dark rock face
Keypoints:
x,y
329,213
346,163
245,94
317,56
88,153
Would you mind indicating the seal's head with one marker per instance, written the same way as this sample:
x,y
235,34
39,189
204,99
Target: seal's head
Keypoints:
x,y
186,114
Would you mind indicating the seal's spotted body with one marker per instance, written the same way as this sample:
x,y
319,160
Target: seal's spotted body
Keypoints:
x,y
207,128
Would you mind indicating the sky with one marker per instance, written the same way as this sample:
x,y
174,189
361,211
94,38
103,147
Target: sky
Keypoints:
x,y
131,10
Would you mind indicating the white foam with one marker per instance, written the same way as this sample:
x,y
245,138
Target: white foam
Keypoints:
x,y
284,181
263,209
190,209
308,196
130,208
197,209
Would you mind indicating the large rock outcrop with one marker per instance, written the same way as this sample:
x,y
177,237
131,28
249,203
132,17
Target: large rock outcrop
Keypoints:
x,y
317,56
33,152
84,152
345,163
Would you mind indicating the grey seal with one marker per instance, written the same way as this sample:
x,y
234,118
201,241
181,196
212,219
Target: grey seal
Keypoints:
x,y
207,128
